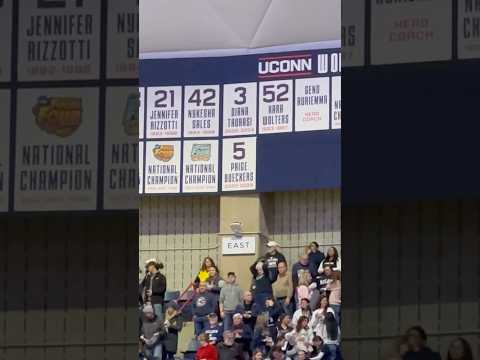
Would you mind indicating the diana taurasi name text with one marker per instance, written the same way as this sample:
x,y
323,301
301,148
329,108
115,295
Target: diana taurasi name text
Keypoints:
x,y
63,179
200,174
162,175
201,119
276,116
121,177
239,173
239,118
75,30
313,97
471,20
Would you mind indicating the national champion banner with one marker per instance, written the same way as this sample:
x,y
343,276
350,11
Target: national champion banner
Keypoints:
x,y
264,121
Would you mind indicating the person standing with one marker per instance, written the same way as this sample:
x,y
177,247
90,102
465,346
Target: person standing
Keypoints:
x,y
173,325
315,256
228,349
151,333
230,299
417,345
283,287
248,309
261,284
203,303
302,265
334,289
155,286
332,259
272,258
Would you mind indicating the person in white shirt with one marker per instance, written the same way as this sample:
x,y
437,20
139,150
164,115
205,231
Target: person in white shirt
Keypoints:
x,y
303,311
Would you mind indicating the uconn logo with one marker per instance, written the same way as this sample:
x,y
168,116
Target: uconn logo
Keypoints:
x,y
278,66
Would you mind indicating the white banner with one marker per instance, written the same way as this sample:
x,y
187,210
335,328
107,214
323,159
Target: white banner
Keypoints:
x,y
243,245
200,166
162,167
239,164
312,104
468,29
240,109
56,149
122,56
164,112
413,31
201,118
59,40
4,148
336,102
276,106
6,16
353,32
121,149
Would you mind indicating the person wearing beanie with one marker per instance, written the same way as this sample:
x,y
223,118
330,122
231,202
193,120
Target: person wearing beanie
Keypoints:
x,y
173,324
151,332
206,351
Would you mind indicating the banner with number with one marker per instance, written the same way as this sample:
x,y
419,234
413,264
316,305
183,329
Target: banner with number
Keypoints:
x,y
259,122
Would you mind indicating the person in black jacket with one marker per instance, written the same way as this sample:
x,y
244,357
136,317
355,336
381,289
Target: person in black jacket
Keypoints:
x,y
417,344
173,325
272,258
228,349
261,284
155,286
315,256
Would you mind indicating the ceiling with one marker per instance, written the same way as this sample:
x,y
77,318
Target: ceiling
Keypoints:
x,y
190,25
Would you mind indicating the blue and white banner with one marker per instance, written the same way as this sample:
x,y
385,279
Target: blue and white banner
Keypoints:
x,y
256,122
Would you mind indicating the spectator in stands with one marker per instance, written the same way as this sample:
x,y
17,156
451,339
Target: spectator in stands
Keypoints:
x,y
206,351
305,287
214,282
272,258
283,287
335,295
273,310
315,256
262,336
203,303
277,354
304,311
261,284
283,326
228,349
400,348
230,299
317,322
317,348
332,338
155,286
303,264
150,334
214,329
173,325
324,279
301,336
332,259
203,274
247,310
459,349
417,345
242,333
258,355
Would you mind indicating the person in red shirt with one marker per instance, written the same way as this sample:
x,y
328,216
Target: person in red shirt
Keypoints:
x,y
206,351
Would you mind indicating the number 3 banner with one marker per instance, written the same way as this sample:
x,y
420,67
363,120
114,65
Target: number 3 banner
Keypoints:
x,y
265,121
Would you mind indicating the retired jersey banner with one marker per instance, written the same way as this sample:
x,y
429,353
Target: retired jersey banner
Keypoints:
x,y
268,121
59,40
410,31
6,31
468,29
353,33
56,154
4,148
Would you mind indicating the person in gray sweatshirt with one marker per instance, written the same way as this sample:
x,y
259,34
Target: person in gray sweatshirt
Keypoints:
x,y
230,297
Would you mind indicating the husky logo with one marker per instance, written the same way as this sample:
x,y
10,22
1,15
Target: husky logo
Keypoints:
x,y
286,65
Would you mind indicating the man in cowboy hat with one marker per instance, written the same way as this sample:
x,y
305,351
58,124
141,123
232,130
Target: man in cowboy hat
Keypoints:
x,y
154,285
272,258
